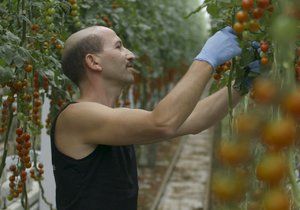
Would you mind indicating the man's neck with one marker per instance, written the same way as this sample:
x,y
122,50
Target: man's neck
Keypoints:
x,y
100,94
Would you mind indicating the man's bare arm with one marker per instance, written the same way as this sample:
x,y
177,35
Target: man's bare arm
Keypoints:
x,y
98,124
208,112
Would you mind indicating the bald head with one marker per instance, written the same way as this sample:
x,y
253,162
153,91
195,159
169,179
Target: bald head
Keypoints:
x,y
77,46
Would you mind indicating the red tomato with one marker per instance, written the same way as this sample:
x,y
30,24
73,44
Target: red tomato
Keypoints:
x,y
276,199
264,91
279,134
264,60
228,187
247,5
264,47
258,13
241,16
291,104
272,168
263,3
238,27
234,153
254,26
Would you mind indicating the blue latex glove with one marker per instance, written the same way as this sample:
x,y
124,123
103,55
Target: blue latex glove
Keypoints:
x,y
251,71
219,48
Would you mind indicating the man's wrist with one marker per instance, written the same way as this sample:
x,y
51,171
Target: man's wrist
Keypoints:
x,y
206,65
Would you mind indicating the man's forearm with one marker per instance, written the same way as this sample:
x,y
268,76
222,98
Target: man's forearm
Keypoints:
x,y
175,108
209,111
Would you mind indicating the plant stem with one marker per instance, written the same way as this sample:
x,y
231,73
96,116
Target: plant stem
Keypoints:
x,y
5,150
229,86
293,179
39,180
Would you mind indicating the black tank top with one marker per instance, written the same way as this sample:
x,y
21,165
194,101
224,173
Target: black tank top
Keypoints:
x,y
106,179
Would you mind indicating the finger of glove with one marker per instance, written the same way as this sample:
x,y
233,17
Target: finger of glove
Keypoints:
x,y
228,29
255,66
255,45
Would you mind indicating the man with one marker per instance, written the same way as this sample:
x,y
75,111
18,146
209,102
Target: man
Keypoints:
x,y
92,142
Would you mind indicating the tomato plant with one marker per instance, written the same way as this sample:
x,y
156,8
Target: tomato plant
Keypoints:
x,y
267,117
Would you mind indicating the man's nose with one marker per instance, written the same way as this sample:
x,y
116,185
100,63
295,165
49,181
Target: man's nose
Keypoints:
x,y
129,55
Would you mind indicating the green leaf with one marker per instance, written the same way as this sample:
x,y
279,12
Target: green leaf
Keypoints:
x,y
11,37
213,10
6,74
19,61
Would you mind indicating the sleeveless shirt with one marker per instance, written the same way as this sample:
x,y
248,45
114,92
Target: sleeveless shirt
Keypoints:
x,y
106,179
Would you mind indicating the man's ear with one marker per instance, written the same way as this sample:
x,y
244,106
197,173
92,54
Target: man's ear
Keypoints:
x,y
92,62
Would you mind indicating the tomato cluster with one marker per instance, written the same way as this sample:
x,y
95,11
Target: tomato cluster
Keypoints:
x,y
221,70
248,17
37,174
75,13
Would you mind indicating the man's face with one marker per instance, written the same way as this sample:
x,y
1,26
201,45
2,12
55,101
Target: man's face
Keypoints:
x,y
115,59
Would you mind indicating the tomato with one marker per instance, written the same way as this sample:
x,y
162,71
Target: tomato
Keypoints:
x,y
263,3
264,91
23,174
50,11
238,27
48,19
40,165
72,1
28,68
291,104
35,27
74,13
272,168
246,124
75,7
217,76
264,47
279,134
26,137
247,4
254,26
234,153
12,178
276,199
27,165
228,63
228,187
264,60
19,131
13,168
258,13
241,16
219,69
58,46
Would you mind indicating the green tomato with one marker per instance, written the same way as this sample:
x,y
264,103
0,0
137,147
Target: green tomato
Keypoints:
x,y
52,26
76,18
49,19
78,24
74,7
74,13
246,35
51,11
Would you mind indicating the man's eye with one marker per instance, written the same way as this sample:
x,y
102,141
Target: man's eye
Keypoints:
x,y
119,46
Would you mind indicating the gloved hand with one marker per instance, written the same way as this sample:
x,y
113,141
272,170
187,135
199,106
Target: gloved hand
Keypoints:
x,y
219,48
251,71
